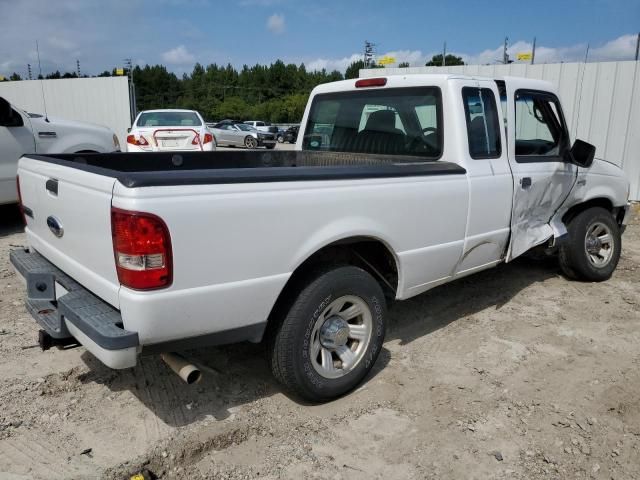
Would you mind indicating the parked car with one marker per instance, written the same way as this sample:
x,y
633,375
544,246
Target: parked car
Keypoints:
x,y
290,135
170,130
242,135
262,126
304,249
22,133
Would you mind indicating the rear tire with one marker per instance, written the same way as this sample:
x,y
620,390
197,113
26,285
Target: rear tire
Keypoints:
x,y
280,138
271,146
331,335
593,249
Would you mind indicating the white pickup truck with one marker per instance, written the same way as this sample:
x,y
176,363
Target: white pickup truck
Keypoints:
x,y
399,185
22,133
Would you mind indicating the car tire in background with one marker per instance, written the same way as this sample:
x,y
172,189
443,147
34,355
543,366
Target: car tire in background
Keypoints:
x,y
250,142
270,146
280,138
329,334
592,250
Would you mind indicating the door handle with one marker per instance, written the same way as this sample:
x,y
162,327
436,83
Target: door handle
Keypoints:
x,y
52,186
525,182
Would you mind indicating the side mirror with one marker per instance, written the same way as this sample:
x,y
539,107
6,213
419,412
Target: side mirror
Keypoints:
x,y
129,130
582,154
6,113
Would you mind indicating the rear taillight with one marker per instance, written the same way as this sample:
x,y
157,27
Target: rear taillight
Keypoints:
x,y
140,141
142,249
371,82
196,140
20,206
208,138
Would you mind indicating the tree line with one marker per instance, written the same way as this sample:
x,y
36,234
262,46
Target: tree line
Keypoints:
x,y
277,92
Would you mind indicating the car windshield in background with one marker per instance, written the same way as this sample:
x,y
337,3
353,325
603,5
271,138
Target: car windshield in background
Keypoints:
x,y
168,119
400,121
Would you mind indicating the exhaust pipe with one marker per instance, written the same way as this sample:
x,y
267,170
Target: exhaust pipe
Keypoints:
x,y
185,370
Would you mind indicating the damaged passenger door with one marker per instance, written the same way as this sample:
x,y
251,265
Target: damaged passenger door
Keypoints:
x,y
542,173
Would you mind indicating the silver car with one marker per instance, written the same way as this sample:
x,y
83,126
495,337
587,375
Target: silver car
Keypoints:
x,y
242,135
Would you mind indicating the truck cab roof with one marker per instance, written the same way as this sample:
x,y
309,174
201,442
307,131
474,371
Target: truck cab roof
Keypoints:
x,y
436,79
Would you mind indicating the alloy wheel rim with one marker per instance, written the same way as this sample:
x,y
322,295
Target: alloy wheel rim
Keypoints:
x,y
599,245
341,336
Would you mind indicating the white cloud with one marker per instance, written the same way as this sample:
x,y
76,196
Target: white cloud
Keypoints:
x,y
275,23
178,56
621,48
61,43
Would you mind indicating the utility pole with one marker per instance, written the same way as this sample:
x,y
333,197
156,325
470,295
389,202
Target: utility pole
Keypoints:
x,y
132,89
78,67
369,53
505,55
29,71
533,51
444,54
586,54
637,46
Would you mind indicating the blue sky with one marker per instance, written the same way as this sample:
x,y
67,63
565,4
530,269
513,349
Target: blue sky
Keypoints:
x,y
327,34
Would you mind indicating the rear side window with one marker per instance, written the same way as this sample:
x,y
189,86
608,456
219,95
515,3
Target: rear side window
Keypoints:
x,y
483,130
389,121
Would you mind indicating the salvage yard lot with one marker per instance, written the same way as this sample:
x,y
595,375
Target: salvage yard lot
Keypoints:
x,y
512,373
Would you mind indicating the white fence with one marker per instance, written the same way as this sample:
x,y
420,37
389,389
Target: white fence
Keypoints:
x,y
601,103
104,101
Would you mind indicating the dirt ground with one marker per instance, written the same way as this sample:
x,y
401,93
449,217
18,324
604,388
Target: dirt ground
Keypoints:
x,y
512,373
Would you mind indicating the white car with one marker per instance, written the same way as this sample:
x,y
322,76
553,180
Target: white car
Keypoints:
x,y
26,133
304,249
170,130
261,126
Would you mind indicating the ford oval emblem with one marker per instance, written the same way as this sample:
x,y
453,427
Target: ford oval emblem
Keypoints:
x,y
55,226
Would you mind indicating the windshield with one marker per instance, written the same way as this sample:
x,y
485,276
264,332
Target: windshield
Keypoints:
x,y
391,121
168,119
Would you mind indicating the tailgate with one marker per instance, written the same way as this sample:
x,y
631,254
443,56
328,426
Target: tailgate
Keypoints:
x,y
69,222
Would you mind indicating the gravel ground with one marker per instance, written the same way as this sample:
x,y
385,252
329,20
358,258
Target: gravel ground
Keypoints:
x,y
512,373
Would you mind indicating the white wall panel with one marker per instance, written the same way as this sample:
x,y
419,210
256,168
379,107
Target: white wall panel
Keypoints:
x,y
601,103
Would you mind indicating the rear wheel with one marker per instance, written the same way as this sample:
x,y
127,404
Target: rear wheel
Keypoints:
x,y
593,249
280,138
250,142
271,146
330,337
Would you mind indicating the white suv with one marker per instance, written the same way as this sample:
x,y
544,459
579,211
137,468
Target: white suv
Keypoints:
x,y
170,130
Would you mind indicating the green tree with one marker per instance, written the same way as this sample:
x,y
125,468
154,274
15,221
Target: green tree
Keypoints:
x,y
403,65
449,60
353,70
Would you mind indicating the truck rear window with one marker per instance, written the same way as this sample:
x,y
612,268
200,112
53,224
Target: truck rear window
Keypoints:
x,y
390,121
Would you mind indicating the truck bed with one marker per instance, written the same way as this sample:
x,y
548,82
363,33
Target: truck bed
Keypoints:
x,y
186,168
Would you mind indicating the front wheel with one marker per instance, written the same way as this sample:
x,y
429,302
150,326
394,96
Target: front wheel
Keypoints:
x,y
593,249
331,335
250,142
280,138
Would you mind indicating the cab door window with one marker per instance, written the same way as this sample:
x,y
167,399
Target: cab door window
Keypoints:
x,y
540,131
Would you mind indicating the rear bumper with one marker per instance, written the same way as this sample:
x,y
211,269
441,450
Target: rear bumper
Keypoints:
x,y
77,313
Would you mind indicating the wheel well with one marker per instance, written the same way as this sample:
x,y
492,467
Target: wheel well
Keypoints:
x,y
86,151
594,202
370,254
